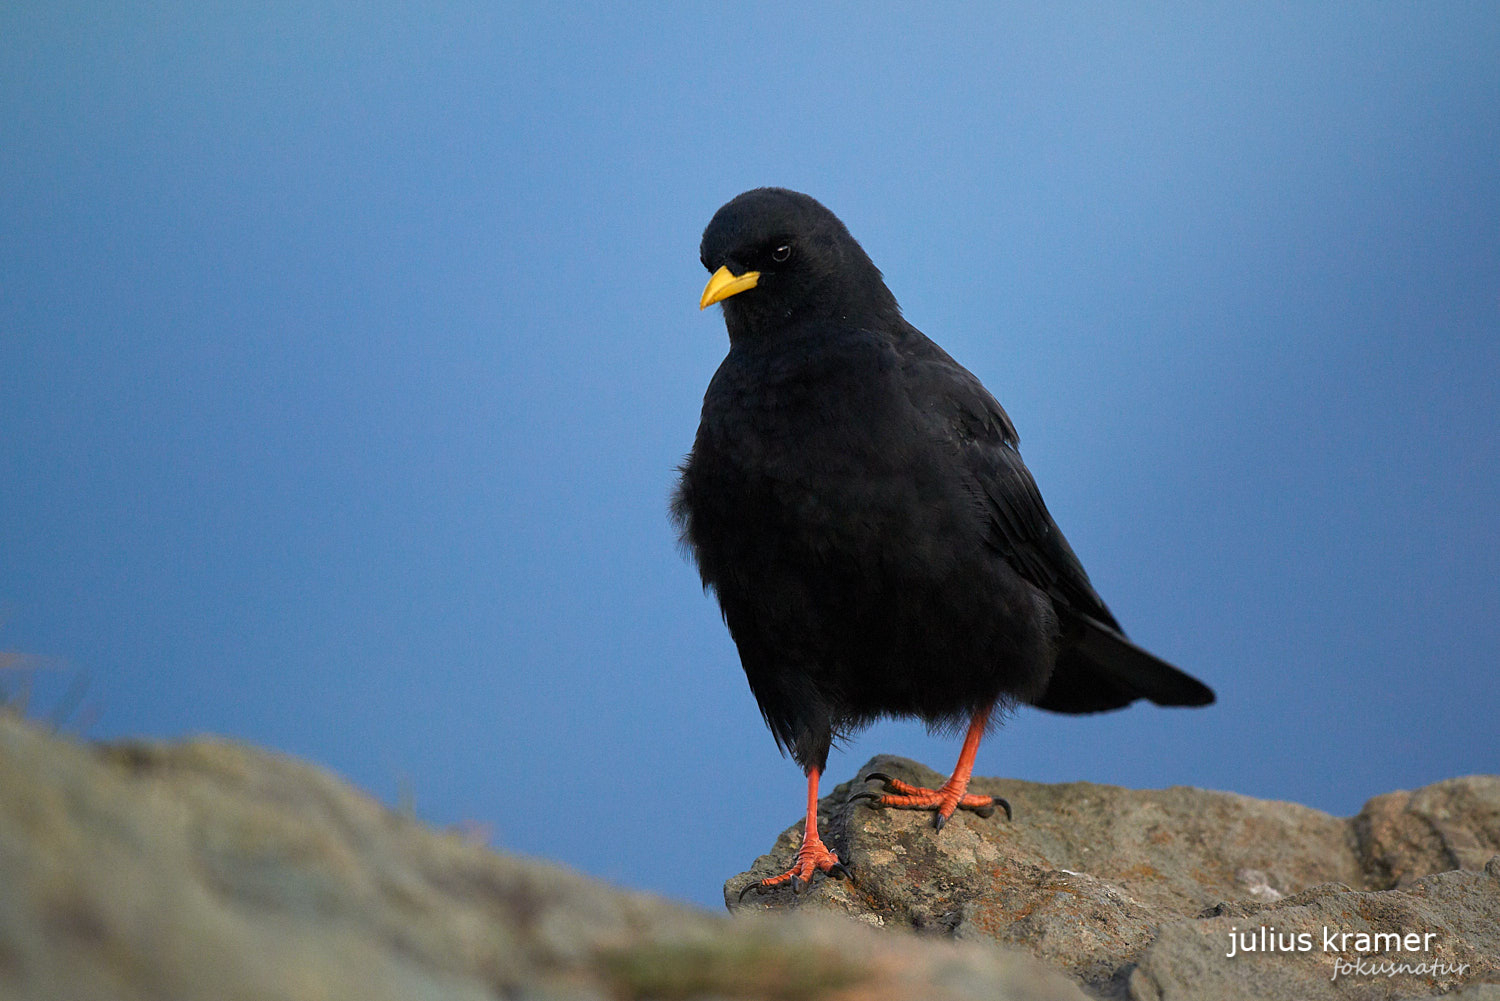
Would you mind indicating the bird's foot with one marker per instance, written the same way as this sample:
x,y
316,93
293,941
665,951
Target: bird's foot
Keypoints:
x,y
952,796
812,858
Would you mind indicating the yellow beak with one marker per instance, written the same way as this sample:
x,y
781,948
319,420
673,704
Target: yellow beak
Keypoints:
x,y
723,285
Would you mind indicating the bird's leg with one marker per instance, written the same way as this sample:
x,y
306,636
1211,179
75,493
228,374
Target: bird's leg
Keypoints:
x,y
954,793
813,857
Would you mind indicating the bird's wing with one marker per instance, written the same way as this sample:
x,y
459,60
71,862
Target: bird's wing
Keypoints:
x,y
1024,533
942,387
1021,529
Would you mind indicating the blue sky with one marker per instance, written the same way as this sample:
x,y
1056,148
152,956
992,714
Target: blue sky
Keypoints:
x,y
347,354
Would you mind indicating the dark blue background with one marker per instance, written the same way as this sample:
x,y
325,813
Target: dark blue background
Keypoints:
x,y
346,355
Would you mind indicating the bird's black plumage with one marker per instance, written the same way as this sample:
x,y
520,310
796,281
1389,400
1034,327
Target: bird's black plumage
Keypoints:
x,y
856,501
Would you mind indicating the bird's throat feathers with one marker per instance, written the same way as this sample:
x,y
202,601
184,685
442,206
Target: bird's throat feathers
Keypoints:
x,y
764,319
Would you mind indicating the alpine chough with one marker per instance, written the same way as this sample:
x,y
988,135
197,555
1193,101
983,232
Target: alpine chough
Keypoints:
x,y
855,499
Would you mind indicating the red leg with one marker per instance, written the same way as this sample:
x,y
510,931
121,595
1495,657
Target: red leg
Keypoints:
x,y
953,794
814,856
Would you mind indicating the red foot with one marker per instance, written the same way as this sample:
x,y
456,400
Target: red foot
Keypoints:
x,y
812,858
952,796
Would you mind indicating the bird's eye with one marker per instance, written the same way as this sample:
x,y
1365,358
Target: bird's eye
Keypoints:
x,y
781,253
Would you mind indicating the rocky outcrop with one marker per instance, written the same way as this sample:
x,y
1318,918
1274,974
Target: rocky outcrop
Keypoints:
x,y
1146,894
209,870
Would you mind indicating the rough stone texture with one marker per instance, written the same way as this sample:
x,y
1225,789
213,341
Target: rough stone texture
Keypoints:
x,y
1135,892
209,870
1460,908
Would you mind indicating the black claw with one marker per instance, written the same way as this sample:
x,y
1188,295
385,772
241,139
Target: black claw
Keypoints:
x,y
841,871
873,796
747,889
882,776
1002,804
796,886
940,821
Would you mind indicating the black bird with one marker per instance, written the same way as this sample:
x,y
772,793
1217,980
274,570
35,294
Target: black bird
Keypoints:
x,y
855,499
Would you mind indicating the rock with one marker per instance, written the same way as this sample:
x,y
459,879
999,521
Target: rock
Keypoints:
x,y
209,870
1403,836
1453,914
1135,893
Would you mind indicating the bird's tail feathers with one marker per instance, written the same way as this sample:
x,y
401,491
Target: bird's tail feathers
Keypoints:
x,y
1099,669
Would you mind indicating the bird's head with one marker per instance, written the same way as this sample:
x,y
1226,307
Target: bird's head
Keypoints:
x,y
779,257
